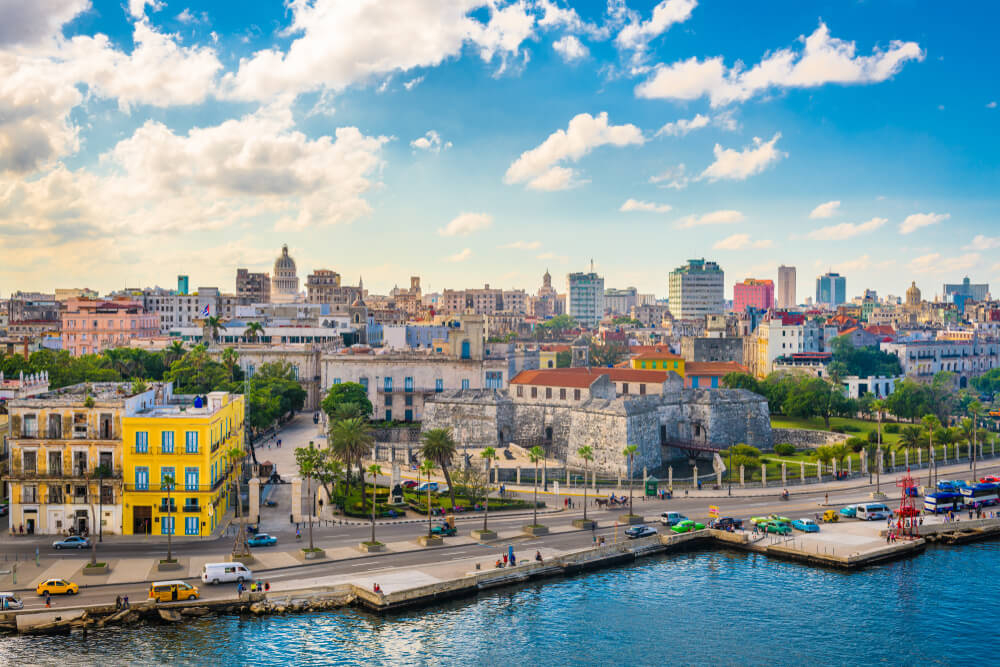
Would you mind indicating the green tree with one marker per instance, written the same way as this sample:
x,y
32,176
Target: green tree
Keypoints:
x,y
535,454
374,470
254,331
931,424
608,354
213,324
173,352
351,439
629,454
489,455
427,467
309,460
587,454
564,359
235,455
346,392
742,381
438,445
911,437
167,484
230,358
815,397
196,373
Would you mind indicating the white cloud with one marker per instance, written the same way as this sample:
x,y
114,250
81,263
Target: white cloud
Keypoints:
x,y
340,43
739,242
983,243
187,16
914,222
466,223
554,17
673,178
637,34
137,8
539,167
739,165
431,141
460,256
826,210
723,217
862,263
413,83
681,127
845,230
34,22
523,245
552,255
935,262
644,206
570,48
823,59
992,105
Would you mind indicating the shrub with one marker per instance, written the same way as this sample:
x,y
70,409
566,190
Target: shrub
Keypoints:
x,y
851,428
784,449
891,428
837,429
873,436
856,443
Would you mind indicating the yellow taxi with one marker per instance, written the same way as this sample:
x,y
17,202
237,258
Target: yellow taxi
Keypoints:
x,y
172,591
57,587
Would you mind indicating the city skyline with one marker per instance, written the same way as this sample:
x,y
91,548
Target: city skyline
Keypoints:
x,y
147,139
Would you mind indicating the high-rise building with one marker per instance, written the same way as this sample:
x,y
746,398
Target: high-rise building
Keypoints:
x,y
252,287
753,293
786,287
585,297
966,289
620,301
285,283
831,289
182,285
697,289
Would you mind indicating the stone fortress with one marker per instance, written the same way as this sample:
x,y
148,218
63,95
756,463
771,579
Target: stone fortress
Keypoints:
x,y
607,409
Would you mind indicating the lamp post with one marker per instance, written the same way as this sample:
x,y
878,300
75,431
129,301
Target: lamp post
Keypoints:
x,y
731,468
100,503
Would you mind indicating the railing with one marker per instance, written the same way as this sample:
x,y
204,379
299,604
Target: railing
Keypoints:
x,y
179,488
192,508
67,472
86,433
168,508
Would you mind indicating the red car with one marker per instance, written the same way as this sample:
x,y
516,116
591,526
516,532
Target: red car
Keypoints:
x,y
409,484
990,479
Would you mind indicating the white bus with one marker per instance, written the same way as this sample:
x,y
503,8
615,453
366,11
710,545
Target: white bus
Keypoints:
x,y
980,495
942,501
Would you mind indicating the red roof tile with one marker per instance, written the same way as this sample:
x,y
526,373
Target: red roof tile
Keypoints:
x,y
702,368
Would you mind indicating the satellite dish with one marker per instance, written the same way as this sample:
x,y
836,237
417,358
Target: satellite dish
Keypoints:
x,y
198,402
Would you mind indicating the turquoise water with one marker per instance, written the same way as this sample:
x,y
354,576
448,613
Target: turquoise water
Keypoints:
x,y
699,608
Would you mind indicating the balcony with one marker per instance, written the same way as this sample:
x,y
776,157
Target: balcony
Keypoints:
x,y
78,433
67,472
172,509
193,508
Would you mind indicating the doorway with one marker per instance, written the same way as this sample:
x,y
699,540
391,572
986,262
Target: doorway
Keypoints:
x,y
142,520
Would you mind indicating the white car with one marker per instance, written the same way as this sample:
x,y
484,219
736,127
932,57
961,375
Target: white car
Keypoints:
x,y
672,518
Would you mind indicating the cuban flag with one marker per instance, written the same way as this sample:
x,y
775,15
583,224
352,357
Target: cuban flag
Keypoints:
x,y
204,311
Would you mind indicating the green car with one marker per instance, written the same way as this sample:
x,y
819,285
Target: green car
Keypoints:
x,y
687,526
777,527
444,530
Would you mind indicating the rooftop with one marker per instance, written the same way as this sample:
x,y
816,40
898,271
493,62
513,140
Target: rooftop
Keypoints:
x,y
584,377
713,368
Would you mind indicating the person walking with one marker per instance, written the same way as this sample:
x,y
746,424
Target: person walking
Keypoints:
x,y
505,559
125,602
118,602
48,599
239,588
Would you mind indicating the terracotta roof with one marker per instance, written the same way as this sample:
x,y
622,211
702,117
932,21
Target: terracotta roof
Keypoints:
x,y
880,330
713,368
656,356
555,348
584,377
850,330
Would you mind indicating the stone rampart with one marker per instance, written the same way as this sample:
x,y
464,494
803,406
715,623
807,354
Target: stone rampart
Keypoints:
x,y
803,438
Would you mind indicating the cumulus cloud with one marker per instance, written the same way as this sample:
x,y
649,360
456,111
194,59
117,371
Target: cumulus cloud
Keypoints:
x,y
739,242
823,59
826,210
681,127
982,242
413,83
523,245
644,206
466,223
935,262
737,165
570,48
566,18
862,263
845,230
137,8
637,34
539,166
36,22
460,256
341,43
673,178
431,141
723,217
914,222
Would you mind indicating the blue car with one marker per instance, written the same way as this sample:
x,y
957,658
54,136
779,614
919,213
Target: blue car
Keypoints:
x,y
806,525
72,542
850,510
262,540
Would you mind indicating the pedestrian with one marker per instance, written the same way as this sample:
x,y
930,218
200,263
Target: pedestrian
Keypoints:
x,y
505,559
239,588
118,602
827,499
48,600
513,559
267,586
125,602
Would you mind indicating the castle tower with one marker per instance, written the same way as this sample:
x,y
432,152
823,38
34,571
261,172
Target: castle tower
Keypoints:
x,y
580,349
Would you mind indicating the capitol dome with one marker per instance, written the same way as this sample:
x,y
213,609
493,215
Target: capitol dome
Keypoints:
x,y
285,280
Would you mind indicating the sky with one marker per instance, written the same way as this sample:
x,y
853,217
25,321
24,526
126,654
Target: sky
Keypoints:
x,y
477,142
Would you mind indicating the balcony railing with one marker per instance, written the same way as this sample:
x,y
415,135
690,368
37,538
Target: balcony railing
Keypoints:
x,y
66,472
192,508
77,433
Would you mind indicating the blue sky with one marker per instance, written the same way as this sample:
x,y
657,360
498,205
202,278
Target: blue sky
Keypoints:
x,y
482,142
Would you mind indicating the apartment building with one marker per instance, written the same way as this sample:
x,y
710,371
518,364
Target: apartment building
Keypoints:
x,y
696,290
91,326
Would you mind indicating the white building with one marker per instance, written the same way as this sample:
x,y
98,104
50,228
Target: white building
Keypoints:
x,y
585,298
285,279
697,290
786,287
922,359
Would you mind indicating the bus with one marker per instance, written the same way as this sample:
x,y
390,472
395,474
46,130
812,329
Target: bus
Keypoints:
x,y
942,502
980,495
873,512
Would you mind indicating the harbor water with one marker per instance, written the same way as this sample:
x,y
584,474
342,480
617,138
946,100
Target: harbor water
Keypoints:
x,y
697,608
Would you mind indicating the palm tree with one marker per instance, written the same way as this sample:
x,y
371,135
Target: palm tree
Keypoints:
x,y
235,455
439,446
213,323
911,437
587,454
173,352
254,331
975,407
535,454
350,440
427,467
930,422
309,460
629,453
230,357
168,486
879,406
490,455
374,470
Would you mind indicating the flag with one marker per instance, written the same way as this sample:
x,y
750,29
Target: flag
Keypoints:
x,y
204,311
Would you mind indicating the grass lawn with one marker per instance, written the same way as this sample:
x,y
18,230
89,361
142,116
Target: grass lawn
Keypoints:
x,y
816,424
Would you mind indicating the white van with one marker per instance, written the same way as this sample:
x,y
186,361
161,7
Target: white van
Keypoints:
x,y
218,573
874,512
10,601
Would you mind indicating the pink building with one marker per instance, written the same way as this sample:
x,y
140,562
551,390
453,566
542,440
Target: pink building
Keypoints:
x,y
92,325
753,293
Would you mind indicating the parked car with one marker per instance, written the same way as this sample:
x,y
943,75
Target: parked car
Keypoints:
x,y
850,511
444,530
444,488
4,509
219,573
410,484
990,479
806,525
758,520
72,542
635,532
687,526
726,523
831,516
777,527
433,486
672,518
57,587
262,540
10,601
172,591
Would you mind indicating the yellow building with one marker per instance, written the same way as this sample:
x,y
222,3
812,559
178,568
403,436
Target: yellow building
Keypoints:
x,y
188,441
658,361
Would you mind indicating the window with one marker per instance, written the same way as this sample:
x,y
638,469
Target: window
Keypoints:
x,y
364,383
465,350
191,442
576,394
29,461
141,442
142,478
408,384
167,525
388,401
190,525
388,415
439,385
642,389
465,384
548,392
387,384
167,442
190,479
562,394
520,391
336,380
644,364
408,401
625,387
694,381
165,474
534,392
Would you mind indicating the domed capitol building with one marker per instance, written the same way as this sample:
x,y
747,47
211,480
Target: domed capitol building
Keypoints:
x,y
285,279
